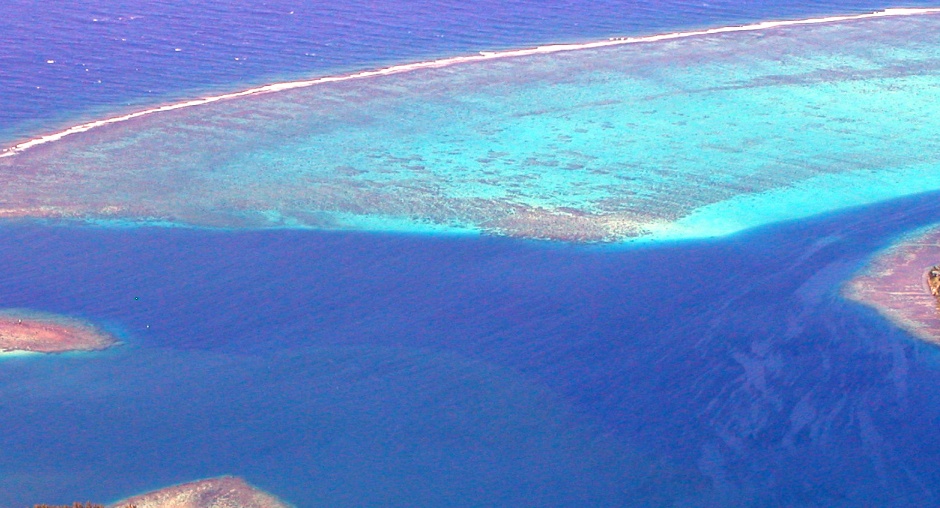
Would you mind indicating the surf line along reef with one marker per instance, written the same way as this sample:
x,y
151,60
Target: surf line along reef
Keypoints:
x,y
606,141
40,332
903,284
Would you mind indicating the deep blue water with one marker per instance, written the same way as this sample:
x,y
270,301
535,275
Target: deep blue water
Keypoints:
x,y
352,369
355,369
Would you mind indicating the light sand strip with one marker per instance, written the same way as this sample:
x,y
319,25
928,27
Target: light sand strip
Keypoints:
x,y
444,62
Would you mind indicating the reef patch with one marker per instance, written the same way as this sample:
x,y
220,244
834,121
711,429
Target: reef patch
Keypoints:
x,y
693,134
40,332
222,492
899,284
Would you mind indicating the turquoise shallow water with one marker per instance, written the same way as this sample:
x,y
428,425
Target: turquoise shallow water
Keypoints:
x,y
349,368
686,138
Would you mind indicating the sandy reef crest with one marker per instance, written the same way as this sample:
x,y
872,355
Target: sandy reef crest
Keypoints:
x,y
39,332
444,62
222,492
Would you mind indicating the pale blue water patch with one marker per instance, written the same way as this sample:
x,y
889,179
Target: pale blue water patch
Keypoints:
x,y
694,137
17,354
802,200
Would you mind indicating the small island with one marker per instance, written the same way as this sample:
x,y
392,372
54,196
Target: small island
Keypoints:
x,y
40,332
903,284
222,492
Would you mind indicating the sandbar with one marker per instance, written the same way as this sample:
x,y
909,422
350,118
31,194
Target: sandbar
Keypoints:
x,y
39,332
222,492
896,284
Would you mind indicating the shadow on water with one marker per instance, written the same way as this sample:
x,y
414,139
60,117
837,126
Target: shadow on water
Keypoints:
x,y
342,368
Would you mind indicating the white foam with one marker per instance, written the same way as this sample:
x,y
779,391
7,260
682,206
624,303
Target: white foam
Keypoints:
x,y
13,353
444,62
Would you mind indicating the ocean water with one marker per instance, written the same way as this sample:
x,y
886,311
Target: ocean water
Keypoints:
x,y
688,137
355,369
113,54
340,368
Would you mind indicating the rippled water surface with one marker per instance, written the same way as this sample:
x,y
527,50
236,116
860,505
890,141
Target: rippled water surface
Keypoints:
x,y
680,138
352,368
108,54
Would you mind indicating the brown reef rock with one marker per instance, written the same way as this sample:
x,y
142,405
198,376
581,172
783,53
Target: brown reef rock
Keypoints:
x,y
933,280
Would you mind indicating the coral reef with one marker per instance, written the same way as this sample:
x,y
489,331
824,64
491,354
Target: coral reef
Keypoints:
x,y
901,283
222,492
25,330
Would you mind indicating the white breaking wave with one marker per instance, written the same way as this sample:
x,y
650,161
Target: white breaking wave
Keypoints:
x,y
444,62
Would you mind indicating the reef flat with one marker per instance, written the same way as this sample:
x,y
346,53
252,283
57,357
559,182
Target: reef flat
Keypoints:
x,y
30,331
897,284
680,135
223,492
